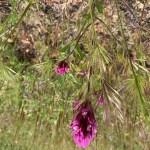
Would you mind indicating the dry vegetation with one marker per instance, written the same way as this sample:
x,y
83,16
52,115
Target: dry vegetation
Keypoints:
x,y
106,44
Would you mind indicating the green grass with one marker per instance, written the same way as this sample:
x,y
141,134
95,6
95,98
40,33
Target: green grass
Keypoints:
x,y
36,104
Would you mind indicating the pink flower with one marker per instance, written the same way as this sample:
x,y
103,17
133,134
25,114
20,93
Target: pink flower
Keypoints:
x,y
61,68
100,100
83,125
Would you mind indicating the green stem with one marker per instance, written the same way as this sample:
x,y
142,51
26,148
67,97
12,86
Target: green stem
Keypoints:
x,y
131,64
18,22
107,27
79,36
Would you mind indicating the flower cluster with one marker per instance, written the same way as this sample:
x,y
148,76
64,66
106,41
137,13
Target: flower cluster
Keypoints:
x,y
83,125
61,68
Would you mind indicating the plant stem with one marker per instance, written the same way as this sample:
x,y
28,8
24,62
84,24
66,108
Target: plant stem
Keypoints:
x,y
131,64
108,29
79,36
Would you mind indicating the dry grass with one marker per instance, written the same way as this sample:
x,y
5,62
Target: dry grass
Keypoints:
x,y
108,54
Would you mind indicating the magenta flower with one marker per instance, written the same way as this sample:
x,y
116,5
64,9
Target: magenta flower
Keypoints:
x,y
100,100
62,67
83,125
